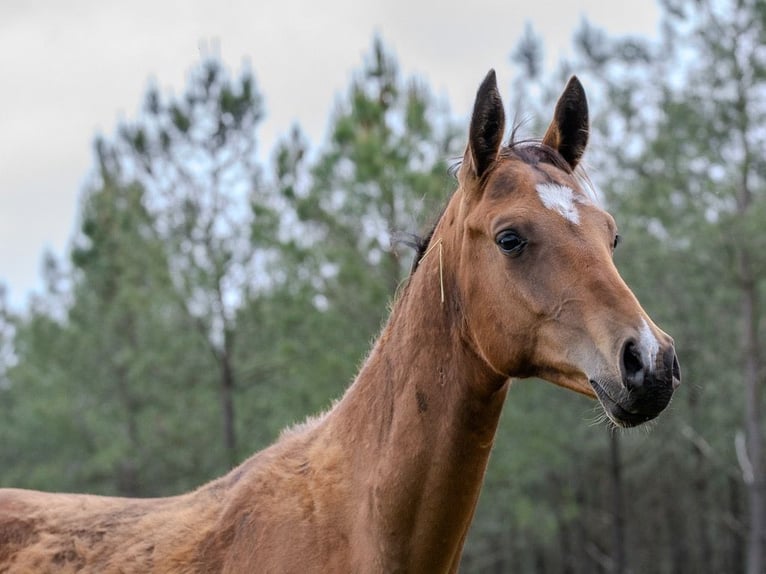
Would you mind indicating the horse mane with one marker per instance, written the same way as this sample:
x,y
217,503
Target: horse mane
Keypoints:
x,y
309,423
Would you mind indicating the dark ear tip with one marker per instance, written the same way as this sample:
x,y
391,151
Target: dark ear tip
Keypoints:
x,y
575,87
489,82
568,133
487,124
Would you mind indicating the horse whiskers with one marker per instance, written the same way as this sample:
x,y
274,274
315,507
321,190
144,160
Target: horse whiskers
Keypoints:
x,y
599,417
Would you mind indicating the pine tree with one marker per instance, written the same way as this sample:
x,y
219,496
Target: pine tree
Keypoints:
x,y
196,156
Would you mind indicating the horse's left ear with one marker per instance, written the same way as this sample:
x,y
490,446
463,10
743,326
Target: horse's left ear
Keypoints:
x,y
568,132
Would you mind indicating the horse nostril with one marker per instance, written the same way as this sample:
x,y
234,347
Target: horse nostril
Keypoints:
x,y
632,367
676,372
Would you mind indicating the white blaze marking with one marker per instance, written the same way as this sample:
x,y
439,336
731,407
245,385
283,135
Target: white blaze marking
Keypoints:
x,y
561,199
648,343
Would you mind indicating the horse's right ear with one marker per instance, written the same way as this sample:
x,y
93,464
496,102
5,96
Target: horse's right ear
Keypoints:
x,y
487,127
568,132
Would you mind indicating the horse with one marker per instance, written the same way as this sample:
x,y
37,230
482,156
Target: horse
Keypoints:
x,y
515,280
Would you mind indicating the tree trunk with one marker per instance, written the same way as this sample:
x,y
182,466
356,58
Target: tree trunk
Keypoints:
x,y
563,526
128,479
734,558
748,285
580,529
393,265
618,527
753,472
227,409
565,544
704,546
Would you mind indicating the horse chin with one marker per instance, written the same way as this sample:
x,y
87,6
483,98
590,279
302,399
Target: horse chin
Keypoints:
x,y
617,413
577,383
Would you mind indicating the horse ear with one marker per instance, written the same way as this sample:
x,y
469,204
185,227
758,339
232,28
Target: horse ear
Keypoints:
x,y
487,126
568,132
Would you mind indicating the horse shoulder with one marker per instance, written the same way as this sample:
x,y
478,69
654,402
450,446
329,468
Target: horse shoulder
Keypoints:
x,y
289,509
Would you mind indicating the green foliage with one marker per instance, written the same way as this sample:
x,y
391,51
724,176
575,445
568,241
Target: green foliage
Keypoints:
x,y
6,337
104,379
194,283
196,154
200,281
381,173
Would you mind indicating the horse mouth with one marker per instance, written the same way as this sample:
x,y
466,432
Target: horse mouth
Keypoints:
x,y
617,413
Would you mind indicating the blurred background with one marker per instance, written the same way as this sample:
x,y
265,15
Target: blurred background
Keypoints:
x,y
196,212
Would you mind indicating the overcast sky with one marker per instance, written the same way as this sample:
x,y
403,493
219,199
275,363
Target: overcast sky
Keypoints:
x,y
71,69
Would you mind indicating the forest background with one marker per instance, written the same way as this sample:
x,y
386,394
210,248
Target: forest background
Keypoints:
x,y
211,298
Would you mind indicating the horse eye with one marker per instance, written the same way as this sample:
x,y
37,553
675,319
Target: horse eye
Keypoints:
x,y
510,242
617,240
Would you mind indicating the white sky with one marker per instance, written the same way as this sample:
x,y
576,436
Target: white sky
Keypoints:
x,y
71,69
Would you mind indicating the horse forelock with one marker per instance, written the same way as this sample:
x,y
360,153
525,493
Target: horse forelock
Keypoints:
x,y
529,151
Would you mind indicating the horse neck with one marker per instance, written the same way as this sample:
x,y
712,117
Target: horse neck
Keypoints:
x,y
419,422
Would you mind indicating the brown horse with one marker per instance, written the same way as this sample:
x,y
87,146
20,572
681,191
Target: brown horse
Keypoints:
x,y
516,280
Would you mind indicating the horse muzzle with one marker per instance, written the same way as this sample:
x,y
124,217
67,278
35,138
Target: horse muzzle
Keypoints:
x,y
647,385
